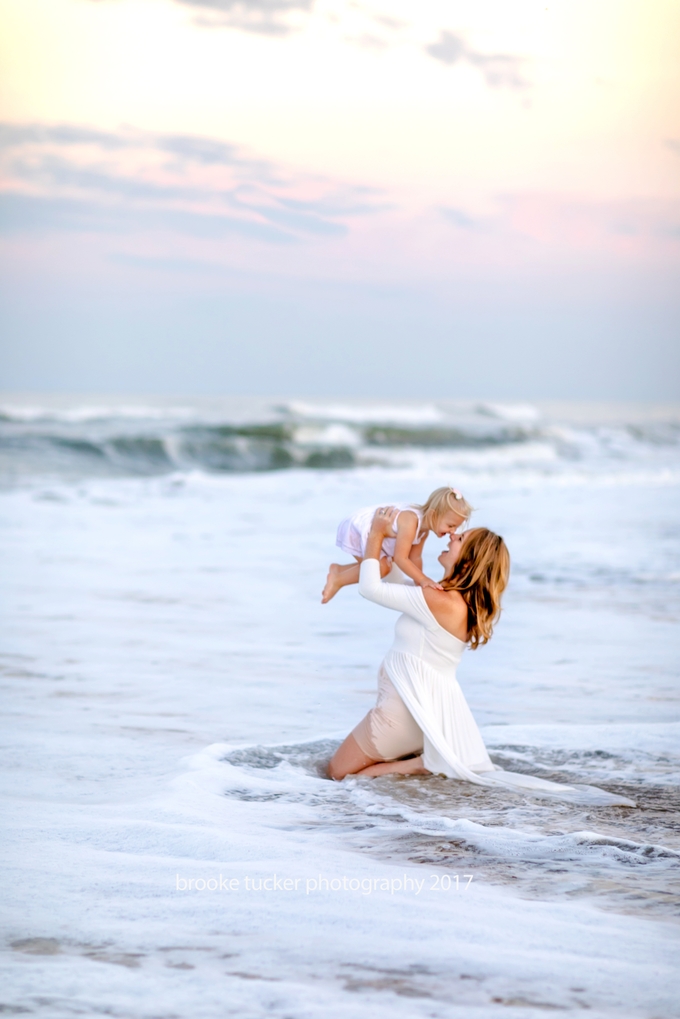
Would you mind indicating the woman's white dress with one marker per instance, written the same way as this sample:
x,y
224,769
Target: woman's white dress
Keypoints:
x,y
422,665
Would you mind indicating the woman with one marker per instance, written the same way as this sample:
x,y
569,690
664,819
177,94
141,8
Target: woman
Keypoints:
x,y
421,722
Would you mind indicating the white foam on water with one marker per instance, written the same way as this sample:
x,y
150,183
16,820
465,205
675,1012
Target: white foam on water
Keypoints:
x,y
517,844
520,412
424,414
88,412
330,435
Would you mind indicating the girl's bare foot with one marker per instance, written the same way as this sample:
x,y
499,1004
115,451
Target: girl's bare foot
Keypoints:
x,y
333,584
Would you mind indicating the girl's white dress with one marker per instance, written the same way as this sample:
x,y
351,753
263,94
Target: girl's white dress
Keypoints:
x,y
422,665
353,532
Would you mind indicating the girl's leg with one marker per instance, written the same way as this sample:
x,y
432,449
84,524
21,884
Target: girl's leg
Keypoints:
x,y
348,759
340,576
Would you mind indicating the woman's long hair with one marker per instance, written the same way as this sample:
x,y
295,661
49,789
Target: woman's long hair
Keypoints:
x,y
480,575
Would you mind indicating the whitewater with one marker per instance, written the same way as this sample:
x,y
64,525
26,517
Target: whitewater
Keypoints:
x,y
173,689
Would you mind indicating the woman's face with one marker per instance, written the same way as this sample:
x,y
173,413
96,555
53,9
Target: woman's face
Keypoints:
x,y
450,555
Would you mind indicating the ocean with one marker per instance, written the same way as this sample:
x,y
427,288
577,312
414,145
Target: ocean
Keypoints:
x,y
174,688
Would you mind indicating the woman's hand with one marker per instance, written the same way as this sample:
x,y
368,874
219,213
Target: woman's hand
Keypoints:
x,y
383,521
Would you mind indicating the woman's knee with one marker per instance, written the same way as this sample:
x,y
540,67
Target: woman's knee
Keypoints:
x,y
336,771
348,759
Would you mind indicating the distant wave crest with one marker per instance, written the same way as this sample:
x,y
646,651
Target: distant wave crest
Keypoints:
x,y
128,439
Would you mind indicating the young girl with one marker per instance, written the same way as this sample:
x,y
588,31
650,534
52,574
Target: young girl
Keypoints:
x,y
443,513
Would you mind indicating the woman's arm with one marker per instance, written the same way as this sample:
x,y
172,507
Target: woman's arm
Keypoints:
x,y
382,526
400,597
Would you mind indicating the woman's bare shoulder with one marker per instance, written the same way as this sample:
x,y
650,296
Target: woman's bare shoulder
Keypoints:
x,y
449,609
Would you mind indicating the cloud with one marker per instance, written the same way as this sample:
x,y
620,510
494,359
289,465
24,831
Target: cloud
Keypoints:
x,y
396,24
211,152
208,151
38,214
534,221
281,17
572,221
185,148
165,264
500,70
367,41
305,222
459,218
349,202
65,177
56,172
356,24
62,134
266,17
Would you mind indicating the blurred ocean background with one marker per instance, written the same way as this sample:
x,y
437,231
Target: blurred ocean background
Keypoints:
x,y
174,688
89,437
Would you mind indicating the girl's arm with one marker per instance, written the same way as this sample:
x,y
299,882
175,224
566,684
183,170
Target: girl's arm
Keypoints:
x,y
401,597
416,553
407,527
448,609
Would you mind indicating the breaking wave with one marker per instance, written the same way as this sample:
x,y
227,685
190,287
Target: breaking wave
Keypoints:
x,y
224,436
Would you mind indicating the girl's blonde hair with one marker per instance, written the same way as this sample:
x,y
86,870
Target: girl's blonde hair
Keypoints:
x,y
441,500
480,574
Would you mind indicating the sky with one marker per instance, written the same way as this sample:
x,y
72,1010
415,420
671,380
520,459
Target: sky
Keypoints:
x,y
317,197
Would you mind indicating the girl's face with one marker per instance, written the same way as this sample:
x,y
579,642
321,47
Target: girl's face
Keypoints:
x,y
448,523
451,555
